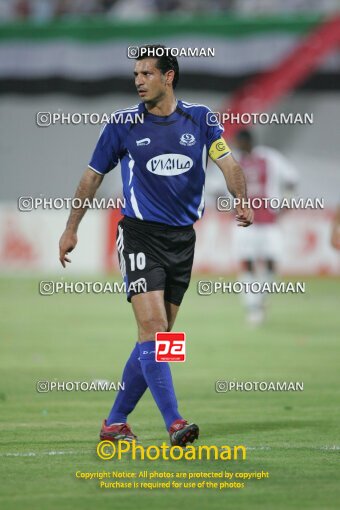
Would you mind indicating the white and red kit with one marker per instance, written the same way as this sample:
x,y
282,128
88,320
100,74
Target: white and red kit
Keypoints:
x,y
268,174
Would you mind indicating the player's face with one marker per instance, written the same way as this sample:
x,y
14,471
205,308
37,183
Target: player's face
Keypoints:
x,y
243,145
149,81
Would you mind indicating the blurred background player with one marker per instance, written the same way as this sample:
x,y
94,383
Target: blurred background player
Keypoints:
x,y
335,237
269,175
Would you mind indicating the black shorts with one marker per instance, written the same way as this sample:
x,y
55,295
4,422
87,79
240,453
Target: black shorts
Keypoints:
x,y
155,256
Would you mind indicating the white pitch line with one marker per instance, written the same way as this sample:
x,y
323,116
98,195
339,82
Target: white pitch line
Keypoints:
x,y
251,448
39,454
258,447
321,448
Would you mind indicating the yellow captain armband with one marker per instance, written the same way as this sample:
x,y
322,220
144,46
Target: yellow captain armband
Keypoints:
x,y
219,149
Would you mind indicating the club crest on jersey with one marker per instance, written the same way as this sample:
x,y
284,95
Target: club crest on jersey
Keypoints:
x,y
187,139
169,164
143,141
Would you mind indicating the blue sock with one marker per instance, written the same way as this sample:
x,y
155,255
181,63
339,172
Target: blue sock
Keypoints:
x,y
159,380
134,388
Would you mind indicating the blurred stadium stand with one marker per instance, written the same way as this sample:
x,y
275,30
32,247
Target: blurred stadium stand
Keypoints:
x,y
136,9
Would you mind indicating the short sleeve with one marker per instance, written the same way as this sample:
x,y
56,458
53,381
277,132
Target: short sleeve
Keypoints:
x,y
106,153
285,171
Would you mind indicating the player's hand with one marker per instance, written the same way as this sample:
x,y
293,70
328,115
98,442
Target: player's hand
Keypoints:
x,y
67,243
244,216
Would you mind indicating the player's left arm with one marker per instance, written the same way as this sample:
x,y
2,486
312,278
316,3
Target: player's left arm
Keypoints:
x,y
236,183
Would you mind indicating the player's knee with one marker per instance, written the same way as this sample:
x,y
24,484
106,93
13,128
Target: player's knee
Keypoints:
x,y
148,327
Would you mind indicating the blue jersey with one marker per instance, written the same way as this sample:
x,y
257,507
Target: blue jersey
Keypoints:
x,y
163,161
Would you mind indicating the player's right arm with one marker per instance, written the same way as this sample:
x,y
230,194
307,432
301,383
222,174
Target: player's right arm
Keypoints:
x,y
104,158
88,185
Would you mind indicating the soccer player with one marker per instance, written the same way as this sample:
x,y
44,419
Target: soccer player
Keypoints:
x,y
335,236
163,161
268,175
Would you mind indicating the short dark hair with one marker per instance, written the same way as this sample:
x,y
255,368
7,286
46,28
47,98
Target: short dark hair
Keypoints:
x,y
165,62
245,135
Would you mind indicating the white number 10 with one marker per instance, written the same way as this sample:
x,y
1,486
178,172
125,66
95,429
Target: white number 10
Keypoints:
x,y
137,261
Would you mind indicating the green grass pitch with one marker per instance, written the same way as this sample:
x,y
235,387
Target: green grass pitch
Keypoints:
x,y
46,438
